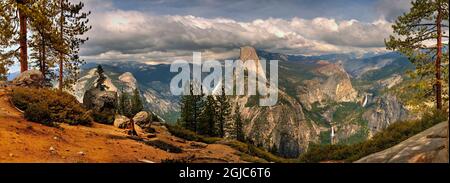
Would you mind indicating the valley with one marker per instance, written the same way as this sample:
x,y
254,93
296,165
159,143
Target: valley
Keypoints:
x,y
317,93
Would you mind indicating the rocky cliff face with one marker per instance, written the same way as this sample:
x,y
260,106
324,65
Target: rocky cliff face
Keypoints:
x,y
386,110
332,84
314,98
282,128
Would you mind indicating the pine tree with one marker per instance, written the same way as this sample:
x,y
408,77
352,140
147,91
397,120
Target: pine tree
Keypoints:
x,y
13,14
72,26
42,43
123,102
224,112
192,107
238,125
136,102
414,31
101,78
130,107
18,17
186,112
208,117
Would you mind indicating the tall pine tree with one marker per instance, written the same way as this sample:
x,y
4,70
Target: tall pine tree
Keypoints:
x,y
14,28
73,24
238,125
418,35
223,112
208,117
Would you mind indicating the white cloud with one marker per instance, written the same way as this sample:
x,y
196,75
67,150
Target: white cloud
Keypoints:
x,y
134,35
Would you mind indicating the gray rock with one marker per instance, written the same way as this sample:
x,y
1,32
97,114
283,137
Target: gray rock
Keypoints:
x,y
30,78
121,122
99,101
142,119
387,110
429,146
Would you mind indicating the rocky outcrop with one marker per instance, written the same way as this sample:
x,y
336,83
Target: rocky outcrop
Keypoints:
x,y
121,122
385,111
98,101
88,81
332,84
429,146
282,128
142,119
129,81
30,78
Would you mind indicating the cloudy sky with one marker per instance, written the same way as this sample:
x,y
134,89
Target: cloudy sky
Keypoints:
x,y
156,31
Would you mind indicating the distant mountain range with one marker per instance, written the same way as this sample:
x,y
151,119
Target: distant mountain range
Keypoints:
x,y
318,94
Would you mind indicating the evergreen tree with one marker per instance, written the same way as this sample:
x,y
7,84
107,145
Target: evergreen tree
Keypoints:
x,y
136,102
192,107
238,125
14,27
123,102
186,111
208,117
223,112
100,82
51,35
130,107
414,31
72,26
42,43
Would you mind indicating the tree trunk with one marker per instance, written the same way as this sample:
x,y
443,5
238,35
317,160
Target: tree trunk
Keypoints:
x,y
23,38
438,84
133,130
44,58
61,54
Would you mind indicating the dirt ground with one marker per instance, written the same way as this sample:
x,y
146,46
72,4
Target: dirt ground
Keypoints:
x,y
24,141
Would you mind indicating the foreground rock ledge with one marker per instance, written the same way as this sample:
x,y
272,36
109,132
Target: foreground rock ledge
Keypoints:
x,y
429,146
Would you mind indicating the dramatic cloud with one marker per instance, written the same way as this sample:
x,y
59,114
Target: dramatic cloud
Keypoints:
x,y
390,10
134,35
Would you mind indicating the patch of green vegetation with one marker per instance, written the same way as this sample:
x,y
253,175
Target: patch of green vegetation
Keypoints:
x,y
349,112
358,137
315,114
171,117
48,106
392,135
325,137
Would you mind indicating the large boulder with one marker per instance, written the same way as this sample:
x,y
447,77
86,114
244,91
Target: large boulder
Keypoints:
x,y
30,78
142,119
121,122
102,103
429,146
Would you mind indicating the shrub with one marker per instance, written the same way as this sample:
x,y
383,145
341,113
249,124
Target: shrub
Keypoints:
x,y
39,112
48,106
183,133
